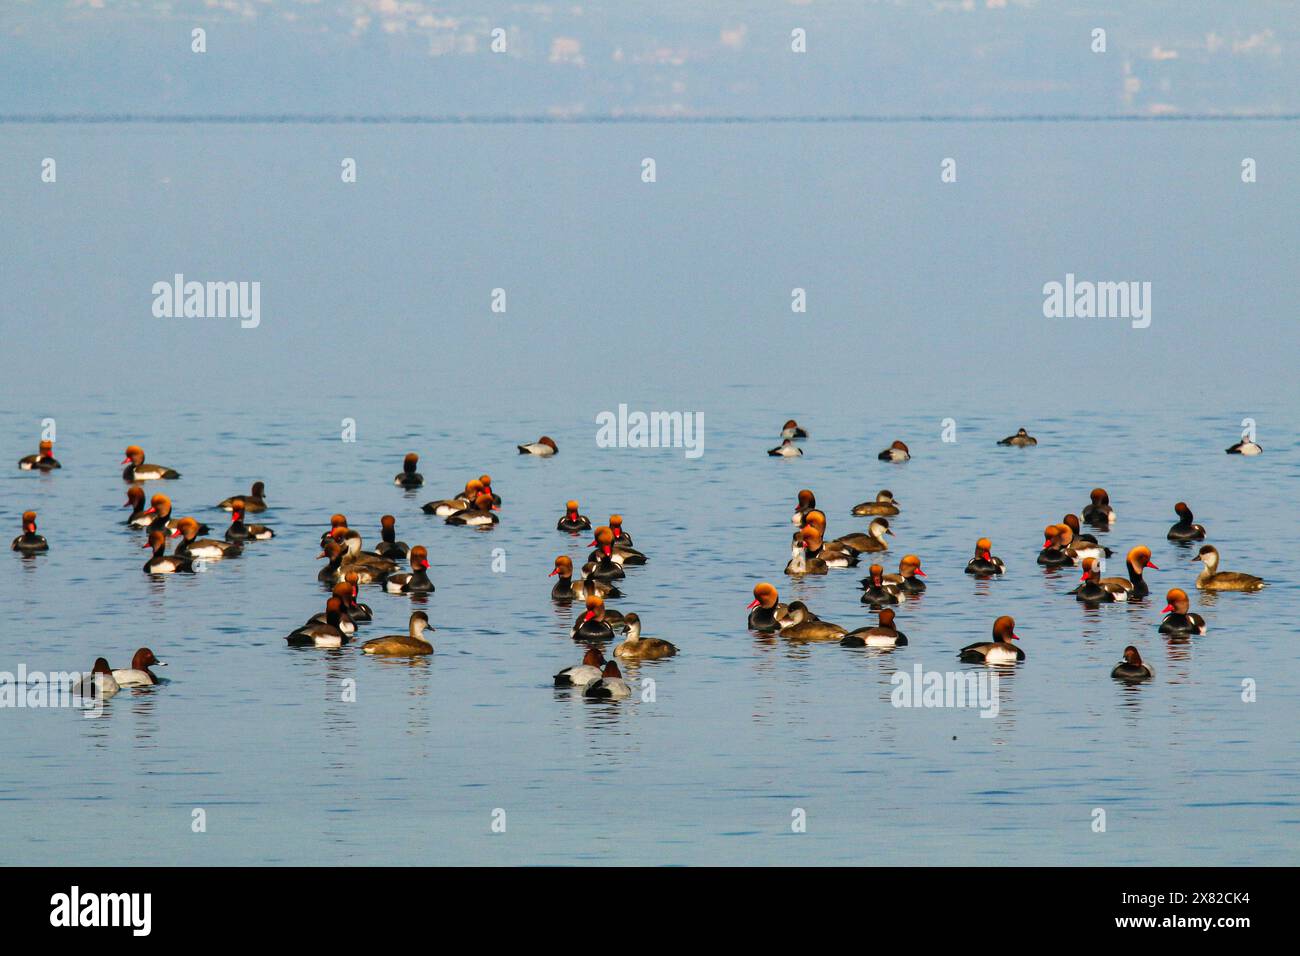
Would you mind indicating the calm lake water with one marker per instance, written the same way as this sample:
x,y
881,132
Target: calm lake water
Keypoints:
x,y
744,729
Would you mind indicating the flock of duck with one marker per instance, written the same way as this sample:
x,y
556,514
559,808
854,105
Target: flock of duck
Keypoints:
x,y
348,567
1064,545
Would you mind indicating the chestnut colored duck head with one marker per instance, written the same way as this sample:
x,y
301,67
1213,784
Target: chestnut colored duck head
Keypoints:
x,y
134,455
563,567
1004,629
765,596
1178,601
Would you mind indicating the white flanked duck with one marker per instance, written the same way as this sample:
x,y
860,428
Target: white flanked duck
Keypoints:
x,y
884,634
998,651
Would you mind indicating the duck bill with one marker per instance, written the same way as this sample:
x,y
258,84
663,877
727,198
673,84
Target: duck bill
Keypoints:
x,y
1167,609
751,605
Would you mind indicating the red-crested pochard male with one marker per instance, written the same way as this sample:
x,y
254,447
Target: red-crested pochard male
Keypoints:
x,y
544,447
909,573
239,531
638,648
191,546
791,429
1021,439
485,483
1053,555
623,540
1179,622
766,610
389,547
410,644
162,563
804,503
607,566
408,477
591,624
611,685
1098,511
1083,545
415,582
884,634
160,517
138,674
571,521
138,470
1184,529
1132,668
984,564
803,553
580,675
877,592
897,451
787,449
998,651
1212,579
566,589
1091,590
1134,586
481,515
43,460
449,506
254,501
346,594
328,634
140,516
29,542
884,504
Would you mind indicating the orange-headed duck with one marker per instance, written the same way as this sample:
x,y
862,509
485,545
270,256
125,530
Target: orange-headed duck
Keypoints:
x,y
1091,589
238,531
417,581
336,522
1184,529
160,517
163,563
876,591
984,563
566,589
883,634
611,685
591,624
140,516
29,542
358,611
787,449
485,483
1098,512
1180,622
607,565
1134,586
766,610
895,452
389,547
410,644
1132,668
254,501
449,506
1053,555
803,553
480,515
884,504
622,540
328,634
805,503
191,546
580,675
1082,545
638,648
137,470
138,674
571,520
43,460
346,593
1212,579
998,651
791,429
408,477
1021,439
907,578
544,447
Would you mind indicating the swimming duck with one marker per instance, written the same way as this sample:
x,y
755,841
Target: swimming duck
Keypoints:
x,y
885,504
363,562
566,589
328,634
895,452
1021,439
909,570
140,516
611,685
409,477
99,683
1134,587
238,531
836,554
43,460
389,547
1245,447
607,566
1184,529
1099,513
623,540
449,506
187,530
1132,668
158,516
870,541
1212,579
137,470
984,563
346,594
162,563
480,515
356,610
254,501
1000,650
883,634
803,553
787,449
571,520
766,611
333,550
417,581
805,503
1091,589
876,592
410,644
138,674
580,675
485,484
591,624
543,447
29,542
337,522
801,625
1053,555
638,648
1179,621
791,429
1085,545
